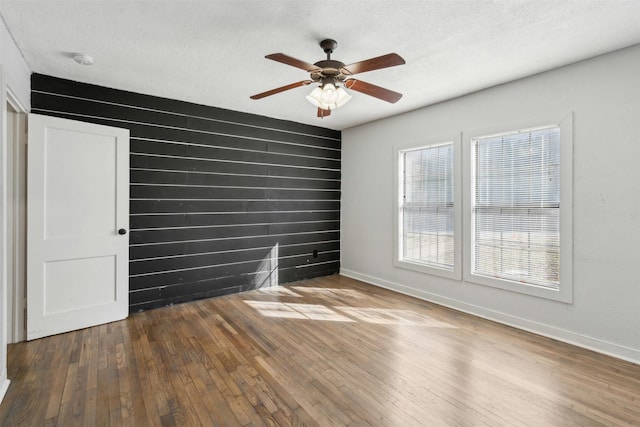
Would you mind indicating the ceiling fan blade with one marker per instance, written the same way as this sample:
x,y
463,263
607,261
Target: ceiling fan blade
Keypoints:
x,y
281,89
323,113
384,61
373,90
286,59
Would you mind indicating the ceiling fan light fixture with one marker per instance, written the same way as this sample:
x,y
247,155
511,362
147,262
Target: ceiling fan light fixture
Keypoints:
x,y
328,97
329,94
343,97
315,97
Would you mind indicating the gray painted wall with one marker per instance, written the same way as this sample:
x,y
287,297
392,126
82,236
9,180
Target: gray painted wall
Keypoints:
x,y
604,95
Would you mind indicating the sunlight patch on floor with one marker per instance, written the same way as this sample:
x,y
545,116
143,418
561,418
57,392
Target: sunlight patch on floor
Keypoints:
x,y
280,291
297,311
331,292
373,315
392,317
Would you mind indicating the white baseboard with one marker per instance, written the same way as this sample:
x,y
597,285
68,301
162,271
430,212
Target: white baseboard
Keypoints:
x,y
4,386
590,343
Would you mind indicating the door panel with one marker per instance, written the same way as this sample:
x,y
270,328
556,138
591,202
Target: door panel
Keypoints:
x,y
66,160
78,199
97,274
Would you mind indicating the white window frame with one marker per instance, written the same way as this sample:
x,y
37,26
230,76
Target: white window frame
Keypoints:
x,y
565,291
399,149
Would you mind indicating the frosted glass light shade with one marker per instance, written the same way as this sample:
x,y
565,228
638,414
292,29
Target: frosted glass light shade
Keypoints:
x,y
328,97
314,97
343,97
329,94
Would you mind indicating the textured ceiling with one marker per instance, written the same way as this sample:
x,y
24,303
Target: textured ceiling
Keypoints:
x,y
212,52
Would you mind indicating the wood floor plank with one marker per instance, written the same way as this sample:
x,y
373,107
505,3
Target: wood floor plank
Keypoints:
x,y
328,351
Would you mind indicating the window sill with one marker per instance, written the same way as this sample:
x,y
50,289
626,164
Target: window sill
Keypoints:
x,y
433,271
563,294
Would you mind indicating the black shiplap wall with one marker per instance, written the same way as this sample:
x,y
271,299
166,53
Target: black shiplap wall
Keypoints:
x,y
221,201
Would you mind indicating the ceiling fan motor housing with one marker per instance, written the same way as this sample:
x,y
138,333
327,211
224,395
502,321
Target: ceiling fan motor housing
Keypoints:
x,y
328,68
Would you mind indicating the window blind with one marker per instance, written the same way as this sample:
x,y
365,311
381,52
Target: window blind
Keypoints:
x,y
516,212
427,207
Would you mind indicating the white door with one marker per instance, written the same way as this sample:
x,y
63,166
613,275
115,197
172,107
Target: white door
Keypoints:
x,y
77,225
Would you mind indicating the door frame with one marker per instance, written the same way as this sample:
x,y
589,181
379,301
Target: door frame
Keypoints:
x,y
16,164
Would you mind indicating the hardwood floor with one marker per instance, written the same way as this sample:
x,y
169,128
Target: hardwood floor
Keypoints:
x,y
324,352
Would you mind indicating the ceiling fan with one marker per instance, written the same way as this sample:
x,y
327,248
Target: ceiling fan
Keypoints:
x,y
334,76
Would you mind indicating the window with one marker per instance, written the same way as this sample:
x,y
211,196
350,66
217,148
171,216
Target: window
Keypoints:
x,y
426,218
427,208
518,204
